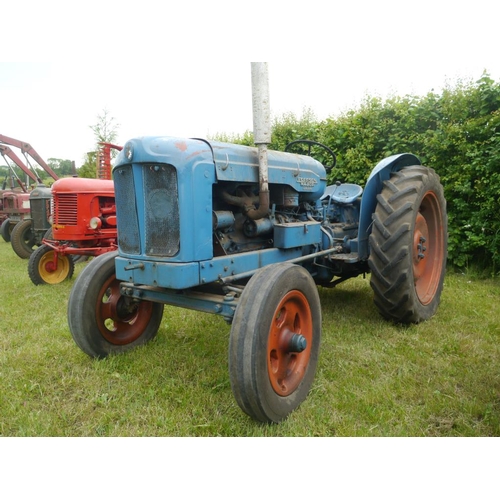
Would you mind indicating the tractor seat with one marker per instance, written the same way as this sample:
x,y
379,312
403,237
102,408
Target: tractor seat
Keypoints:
x,y
343,193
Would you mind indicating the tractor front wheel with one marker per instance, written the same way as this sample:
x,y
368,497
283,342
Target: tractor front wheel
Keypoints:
x,y
48,267
274,342
23,239
101,320
408,245
6,230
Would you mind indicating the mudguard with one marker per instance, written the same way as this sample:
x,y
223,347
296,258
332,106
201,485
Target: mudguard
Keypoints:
x,y
382,172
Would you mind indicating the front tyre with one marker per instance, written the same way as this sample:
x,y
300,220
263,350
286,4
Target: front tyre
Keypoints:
x,y
274,342
408,245
101,320
48,267
6,230
23,239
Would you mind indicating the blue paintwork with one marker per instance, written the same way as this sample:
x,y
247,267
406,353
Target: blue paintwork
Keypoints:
x,y
382,172
240,163
194,163
179,276
343,193
199,165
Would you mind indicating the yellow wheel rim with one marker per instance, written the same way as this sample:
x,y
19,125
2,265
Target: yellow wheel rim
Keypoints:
x,y
51,273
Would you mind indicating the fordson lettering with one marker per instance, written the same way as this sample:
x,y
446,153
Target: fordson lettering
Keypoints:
x,y
307,181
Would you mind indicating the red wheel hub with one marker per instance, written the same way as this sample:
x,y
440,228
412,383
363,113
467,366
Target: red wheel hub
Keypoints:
x,y
121,320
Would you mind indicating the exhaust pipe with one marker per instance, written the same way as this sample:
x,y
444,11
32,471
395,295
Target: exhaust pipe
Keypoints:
x,y
262,134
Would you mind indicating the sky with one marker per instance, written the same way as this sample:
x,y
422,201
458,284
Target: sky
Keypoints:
x,y
163,70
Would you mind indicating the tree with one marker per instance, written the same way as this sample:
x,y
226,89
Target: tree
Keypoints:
x,y
105,130
63,168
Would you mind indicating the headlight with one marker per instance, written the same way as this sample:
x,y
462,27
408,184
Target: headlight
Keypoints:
x,y
95,223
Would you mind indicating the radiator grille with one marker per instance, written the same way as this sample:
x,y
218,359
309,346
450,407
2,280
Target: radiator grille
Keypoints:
x,y
126,210
65,206
39,212
161,208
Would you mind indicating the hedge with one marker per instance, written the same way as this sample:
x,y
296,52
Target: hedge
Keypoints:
x,y
456,132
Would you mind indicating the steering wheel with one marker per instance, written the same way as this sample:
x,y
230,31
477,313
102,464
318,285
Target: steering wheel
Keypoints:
x,y
309,144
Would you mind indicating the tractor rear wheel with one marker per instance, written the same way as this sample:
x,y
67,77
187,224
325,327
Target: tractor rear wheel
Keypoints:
x,y
274,342
23,239
43,270
408,245
101,320
6,230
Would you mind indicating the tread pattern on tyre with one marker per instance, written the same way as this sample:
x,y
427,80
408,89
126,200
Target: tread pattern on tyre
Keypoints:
x,y
391,242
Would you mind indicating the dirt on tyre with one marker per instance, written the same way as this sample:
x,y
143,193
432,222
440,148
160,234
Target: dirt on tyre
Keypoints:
x,y
101,320
274,342
48,267
408,245
23,239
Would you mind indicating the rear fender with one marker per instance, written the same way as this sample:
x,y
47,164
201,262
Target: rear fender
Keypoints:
x,y
382,172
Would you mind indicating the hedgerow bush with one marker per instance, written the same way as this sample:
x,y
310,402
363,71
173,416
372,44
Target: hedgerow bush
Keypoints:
x,y
456,132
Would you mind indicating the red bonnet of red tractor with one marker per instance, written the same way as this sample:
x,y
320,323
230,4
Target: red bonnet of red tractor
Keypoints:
x,y
84,209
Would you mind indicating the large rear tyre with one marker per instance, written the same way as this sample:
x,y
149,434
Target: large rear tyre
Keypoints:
x,y
408,245
101,320
6,230
274,342
23,239
42,269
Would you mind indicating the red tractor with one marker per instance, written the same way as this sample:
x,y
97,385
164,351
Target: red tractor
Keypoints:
x,y
14,201
25,215
83,225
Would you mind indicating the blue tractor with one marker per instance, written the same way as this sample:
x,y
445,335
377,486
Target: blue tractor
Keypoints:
x,y
249,234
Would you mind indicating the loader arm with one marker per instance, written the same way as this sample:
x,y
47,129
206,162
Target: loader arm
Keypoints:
x,y
6,151
27,149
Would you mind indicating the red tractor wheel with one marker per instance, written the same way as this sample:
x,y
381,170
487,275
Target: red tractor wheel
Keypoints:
x,y
274,342
408,245
101,320
48,267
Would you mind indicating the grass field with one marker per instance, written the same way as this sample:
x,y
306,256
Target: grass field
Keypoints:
x,y
439,378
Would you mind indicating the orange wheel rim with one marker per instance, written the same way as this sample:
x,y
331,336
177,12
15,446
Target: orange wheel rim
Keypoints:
x,y
292,322
428,248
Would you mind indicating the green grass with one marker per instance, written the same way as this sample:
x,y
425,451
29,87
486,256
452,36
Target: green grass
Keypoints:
x,y
438,378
